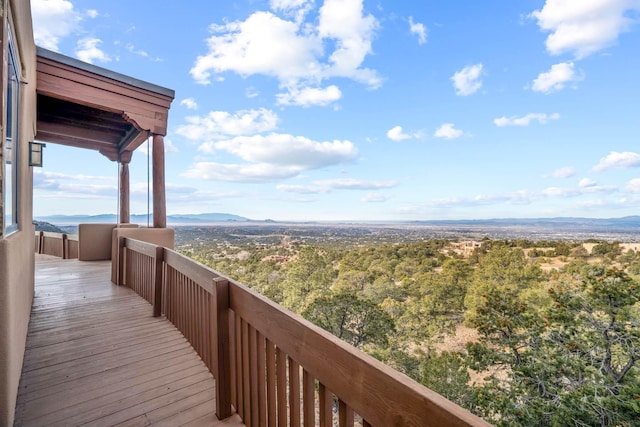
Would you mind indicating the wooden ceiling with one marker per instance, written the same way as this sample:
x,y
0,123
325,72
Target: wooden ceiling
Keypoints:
x,y
85,106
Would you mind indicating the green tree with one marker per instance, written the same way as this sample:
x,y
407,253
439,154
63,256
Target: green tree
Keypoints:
x,y
307,277
355,320
447,374
608,249
502,269
572,364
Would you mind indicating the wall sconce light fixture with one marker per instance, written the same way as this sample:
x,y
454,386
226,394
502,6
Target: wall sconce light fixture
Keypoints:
x,y
35,153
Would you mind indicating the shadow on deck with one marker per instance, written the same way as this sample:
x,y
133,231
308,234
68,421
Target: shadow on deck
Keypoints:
x,y
95,355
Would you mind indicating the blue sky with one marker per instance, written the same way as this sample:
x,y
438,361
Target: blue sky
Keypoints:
x,y
365,110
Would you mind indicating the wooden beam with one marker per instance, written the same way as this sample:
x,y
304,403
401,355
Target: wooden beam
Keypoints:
x,y
112,136
159,199
136,142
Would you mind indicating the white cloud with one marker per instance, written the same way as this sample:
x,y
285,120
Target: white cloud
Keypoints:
x,y
467,81
296,8
375,198
354,184
43,174
286,150
294,52
521,197
263,44
300,189
556,78
560,192
220,124
397,134
169,147
525,120
584,187
250,172
343,22
329,185
143,53
586,183
289,4
310,96
633,186
563,172
75,186
584,27
448,131
618,160
52,21
252,92
190,103
419,30
599,189
88,50
92,13
271,157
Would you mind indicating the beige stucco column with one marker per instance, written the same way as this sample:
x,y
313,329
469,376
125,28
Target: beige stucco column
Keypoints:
x,y
124,159
159,199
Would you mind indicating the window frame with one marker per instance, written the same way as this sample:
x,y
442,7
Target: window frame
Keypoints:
x,y
12,144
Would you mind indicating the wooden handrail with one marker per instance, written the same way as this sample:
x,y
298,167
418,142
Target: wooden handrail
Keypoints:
x,y
154,254
61,245
268,362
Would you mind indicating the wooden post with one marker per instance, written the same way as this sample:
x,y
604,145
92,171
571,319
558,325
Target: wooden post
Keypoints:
x,y
158,281
221,349
122,249
159,200
124,158
64,246
41,242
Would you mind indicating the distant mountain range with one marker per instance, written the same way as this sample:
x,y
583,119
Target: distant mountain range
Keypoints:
x,y
191,219
628,222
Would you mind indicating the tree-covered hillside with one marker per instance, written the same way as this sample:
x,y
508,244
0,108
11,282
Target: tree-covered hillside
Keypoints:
x,y
519,332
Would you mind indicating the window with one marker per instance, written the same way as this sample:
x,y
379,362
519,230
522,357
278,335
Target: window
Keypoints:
x,y
11,144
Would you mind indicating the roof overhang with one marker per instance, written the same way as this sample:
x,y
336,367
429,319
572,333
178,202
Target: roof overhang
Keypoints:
x,y
86,106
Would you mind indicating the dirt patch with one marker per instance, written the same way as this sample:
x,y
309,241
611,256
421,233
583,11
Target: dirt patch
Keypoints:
x,y
457,342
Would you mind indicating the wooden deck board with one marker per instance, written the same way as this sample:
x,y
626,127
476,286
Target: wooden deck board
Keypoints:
x,y
96,356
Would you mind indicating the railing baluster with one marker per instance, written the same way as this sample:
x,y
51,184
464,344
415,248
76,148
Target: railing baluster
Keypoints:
x,y
271,383
326,406
246,376
239,374
157,285
233,358
253,375
294,392
346,414
220,347
308,399
262,380
281,381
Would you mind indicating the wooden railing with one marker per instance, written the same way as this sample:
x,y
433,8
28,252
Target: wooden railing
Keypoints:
x,y
271,366
64,246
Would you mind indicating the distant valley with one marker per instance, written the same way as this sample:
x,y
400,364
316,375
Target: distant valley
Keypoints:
x,y
562,228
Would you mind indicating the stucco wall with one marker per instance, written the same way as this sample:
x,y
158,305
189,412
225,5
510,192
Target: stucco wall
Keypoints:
x,y
16,251
94,240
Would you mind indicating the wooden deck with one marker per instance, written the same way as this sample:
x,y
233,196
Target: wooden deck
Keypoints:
x,y
96,356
